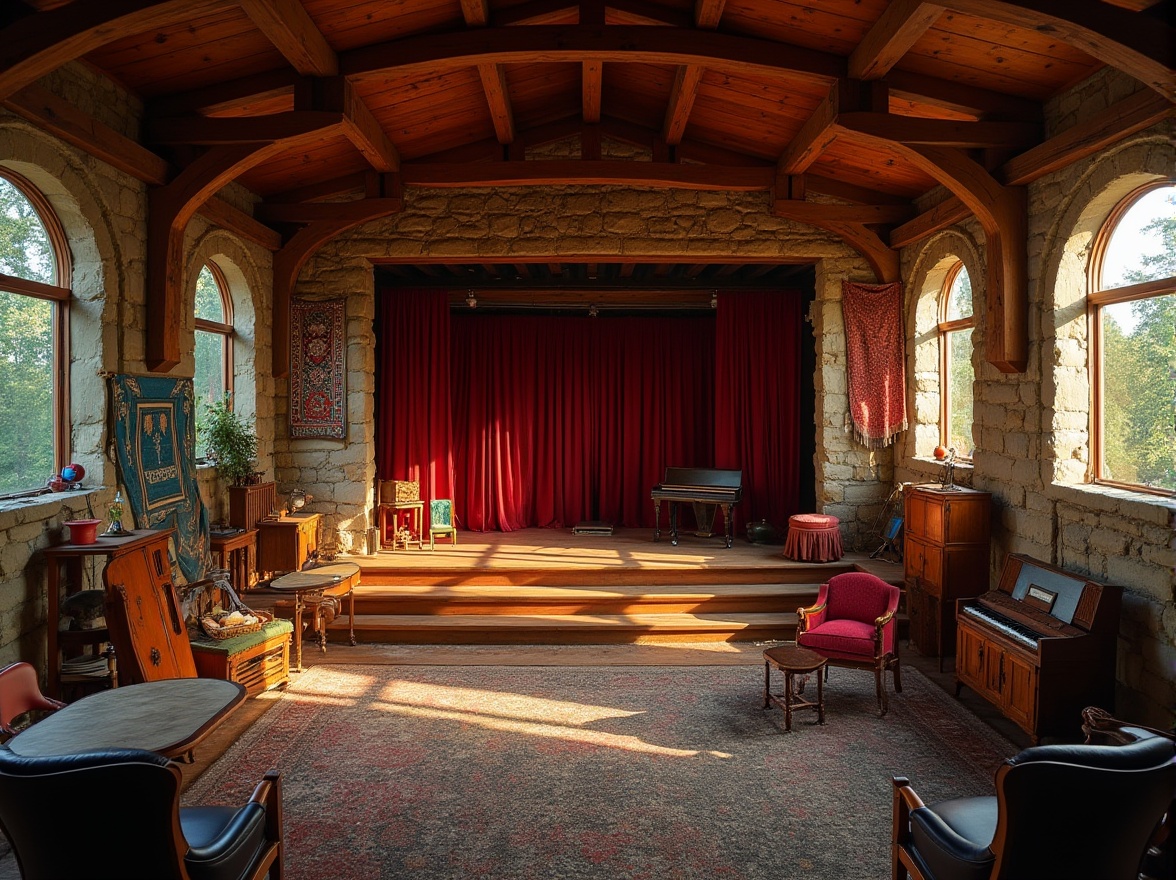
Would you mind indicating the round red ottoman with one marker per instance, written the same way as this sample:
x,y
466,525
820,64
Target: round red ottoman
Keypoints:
x,y
813,537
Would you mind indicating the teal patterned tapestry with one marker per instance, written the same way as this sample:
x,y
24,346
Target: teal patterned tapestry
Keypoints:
x,y
155,439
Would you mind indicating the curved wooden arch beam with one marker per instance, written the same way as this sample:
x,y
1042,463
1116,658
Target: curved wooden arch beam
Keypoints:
x,y
169,208
40,43
1139,44
288,262
1003,212
883,259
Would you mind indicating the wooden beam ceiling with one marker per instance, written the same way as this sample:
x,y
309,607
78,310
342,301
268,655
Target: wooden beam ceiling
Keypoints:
x,y
900,26
35,45
320,87
1114,36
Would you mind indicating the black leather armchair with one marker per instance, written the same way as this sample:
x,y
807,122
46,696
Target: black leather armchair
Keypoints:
x,y
1072,811
116,813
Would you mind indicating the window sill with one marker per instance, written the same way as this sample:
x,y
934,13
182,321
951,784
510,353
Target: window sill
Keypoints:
x,y
49,505
933,469
1137,505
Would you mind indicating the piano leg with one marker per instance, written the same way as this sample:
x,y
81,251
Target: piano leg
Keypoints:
x,y
656,519
727,524
674,523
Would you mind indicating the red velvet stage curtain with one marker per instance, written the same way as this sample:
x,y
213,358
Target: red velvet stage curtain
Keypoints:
x,y
558,420
757,400
414,433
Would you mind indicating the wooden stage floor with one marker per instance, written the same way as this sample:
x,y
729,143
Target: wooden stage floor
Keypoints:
x,y
626,549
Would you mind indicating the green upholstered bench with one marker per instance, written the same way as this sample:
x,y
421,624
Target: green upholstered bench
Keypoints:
x,y
258,661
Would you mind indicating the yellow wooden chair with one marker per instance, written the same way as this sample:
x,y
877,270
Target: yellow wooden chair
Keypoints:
x,y
441,521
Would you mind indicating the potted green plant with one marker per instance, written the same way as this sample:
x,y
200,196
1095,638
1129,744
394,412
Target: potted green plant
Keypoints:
x,y
229,441
231,444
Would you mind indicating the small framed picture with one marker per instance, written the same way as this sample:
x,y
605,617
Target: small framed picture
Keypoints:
x,y
1040,598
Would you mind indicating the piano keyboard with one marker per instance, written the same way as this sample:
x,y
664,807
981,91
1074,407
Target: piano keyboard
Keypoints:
x,y
1018,632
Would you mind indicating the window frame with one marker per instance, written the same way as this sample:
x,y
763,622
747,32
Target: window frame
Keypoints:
x,y
225,330
1096,298
60,293
945,329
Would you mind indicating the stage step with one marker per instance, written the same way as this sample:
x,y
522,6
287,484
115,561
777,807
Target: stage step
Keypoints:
x,y
544,589
563,629
468,599
553,576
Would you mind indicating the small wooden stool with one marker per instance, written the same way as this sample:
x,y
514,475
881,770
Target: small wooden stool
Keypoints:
x,y
793,660
813,537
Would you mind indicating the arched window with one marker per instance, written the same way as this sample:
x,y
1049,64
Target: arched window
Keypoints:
x,y
956,374
34,353
213,377
1132,309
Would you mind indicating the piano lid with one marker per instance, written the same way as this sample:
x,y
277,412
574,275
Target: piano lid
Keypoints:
x,y
702,478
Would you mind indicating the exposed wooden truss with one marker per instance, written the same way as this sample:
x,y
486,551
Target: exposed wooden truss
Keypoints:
x,y
725,97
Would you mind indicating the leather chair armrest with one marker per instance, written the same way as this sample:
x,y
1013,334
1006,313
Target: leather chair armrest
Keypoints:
x,y
946,854
269,793
905,800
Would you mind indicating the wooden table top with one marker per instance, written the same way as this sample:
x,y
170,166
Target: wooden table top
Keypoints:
x,y
793,658
168,717
317,578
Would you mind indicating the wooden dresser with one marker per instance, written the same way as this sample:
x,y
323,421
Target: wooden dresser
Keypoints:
x,y
945,557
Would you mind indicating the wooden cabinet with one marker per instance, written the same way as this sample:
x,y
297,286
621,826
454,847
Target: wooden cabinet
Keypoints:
x,y
945,557
65,644
999,673
284,543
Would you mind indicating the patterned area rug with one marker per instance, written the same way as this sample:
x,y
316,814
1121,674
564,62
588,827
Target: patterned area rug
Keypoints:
x,y
619,772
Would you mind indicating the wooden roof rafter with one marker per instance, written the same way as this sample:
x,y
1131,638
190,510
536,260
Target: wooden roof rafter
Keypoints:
x,y
493,76
707,14
287,25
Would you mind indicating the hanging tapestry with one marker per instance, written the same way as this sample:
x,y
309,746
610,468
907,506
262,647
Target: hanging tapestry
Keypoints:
x,y
318,369
876,361
155,443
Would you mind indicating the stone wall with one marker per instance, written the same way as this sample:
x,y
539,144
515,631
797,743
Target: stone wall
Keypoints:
x,y
1032,429
601,223
103,212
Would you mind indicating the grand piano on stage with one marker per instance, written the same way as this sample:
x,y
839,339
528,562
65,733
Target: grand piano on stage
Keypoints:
x,y
1041,646
705,488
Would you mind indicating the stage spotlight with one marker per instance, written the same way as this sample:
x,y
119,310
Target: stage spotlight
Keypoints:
x,y
472,301
593,311
714,299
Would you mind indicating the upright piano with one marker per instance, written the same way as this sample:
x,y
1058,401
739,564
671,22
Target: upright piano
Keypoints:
x,y
706,488
1041,646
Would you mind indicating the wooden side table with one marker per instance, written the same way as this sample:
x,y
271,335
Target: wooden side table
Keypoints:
x,y
237,554
793,660
390,516
308,589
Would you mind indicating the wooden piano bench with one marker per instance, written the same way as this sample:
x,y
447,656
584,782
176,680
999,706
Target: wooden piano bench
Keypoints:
x,y
257,661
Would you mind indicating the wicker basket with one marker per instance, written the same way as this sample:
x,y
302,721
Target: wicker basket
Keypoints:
x,y
227,632
210,601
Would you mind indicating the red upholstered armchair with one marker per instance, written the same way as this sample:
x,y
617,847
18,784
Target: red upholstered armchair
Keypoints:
x,y
853,624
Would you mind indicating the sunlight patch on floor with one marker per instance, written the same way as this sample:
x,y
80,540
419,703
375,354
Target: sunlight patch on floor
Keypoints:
x,y
544,730
518,707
